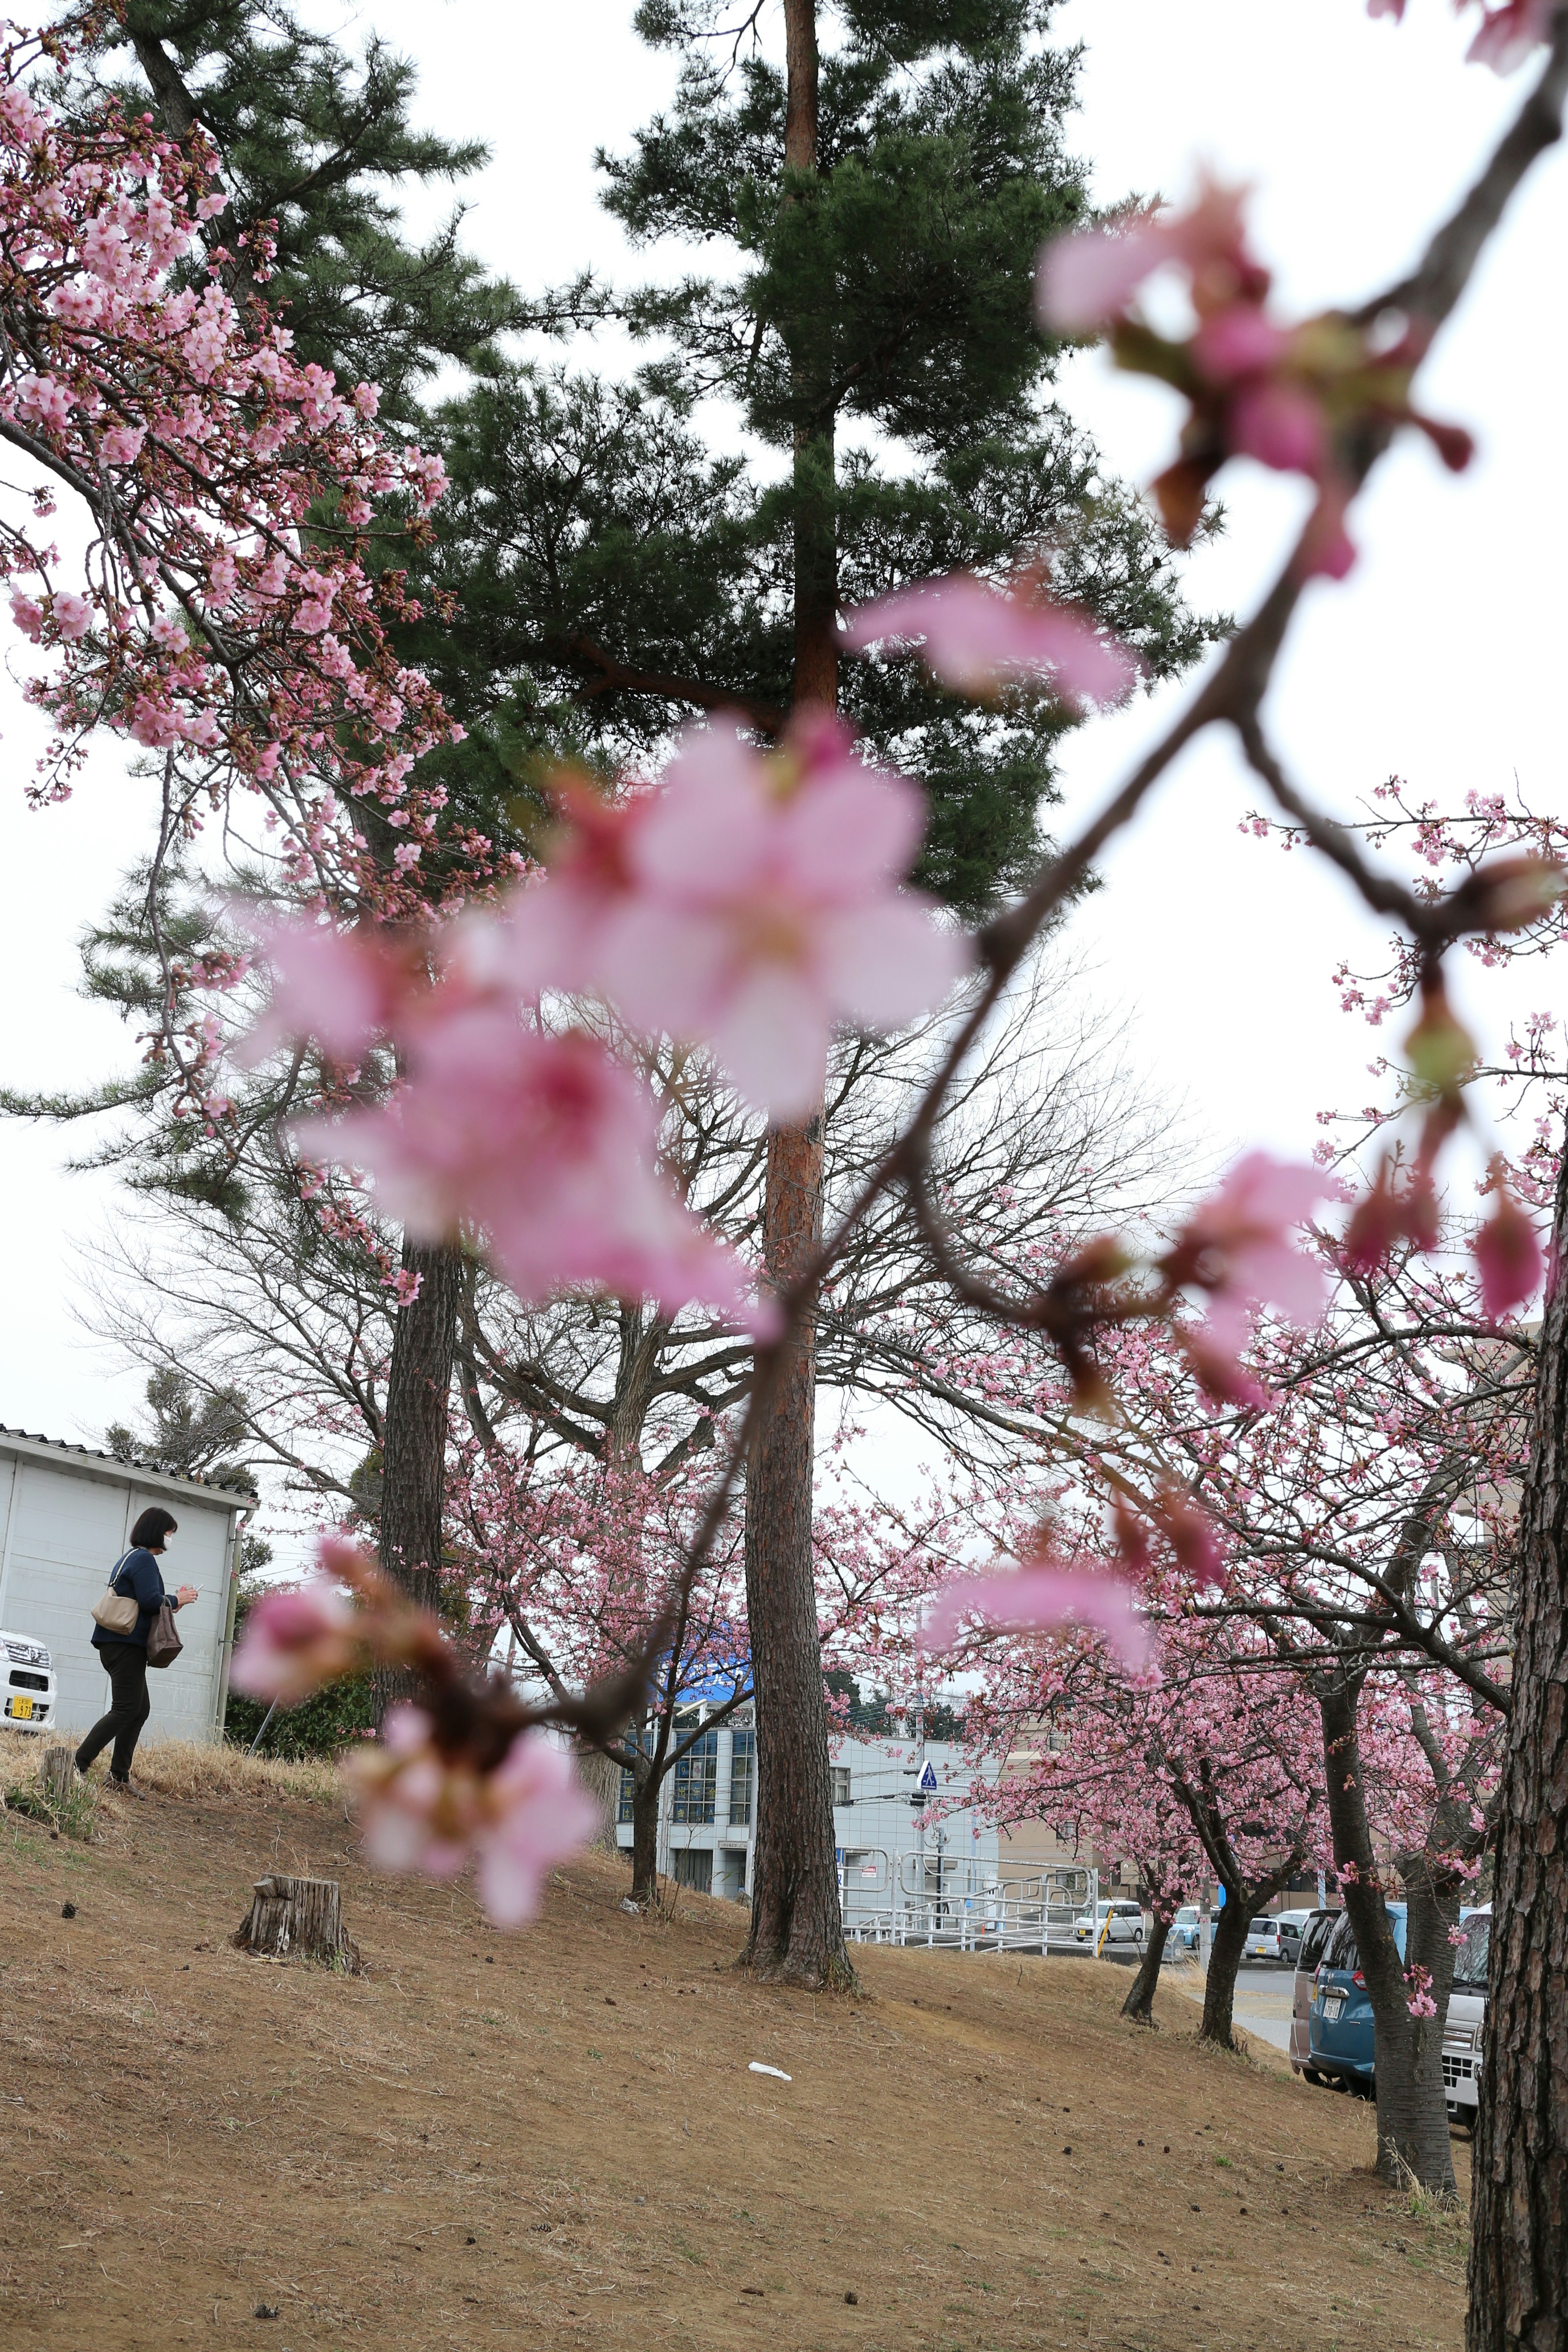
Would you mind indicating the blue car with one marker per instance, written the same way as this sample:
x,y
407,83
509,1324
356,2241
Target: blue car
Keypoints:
x,y
1185,1931
1342,2022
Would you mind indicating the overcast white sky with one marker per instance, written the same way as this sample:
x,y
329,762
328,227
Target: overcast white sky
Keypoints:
x,y
1440,659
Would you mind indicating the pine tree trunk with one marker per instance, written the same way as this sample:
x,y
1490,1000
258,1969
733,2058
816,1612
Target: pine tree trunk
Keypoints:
x,y
797,1927
1412,2105
1139,2002
302,1916
414,1437
1225,1958
1519,2236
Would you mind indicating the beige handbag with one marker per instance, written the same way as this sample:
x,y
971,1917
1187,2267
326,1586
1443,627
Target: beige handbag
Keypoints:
x,y
116,1612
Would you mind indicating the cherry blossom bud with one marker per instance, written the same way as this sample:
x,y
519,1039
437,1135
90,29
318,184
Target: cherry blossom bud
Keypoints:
x,y
1507,1252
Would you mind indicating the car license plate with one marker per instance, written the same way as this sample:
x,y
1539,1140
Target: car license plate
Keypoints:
x,y
1331,2009
22,1709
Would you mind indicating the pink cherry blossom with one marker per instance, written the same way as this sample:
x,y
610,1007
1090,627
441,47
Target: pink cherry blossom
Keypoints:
x,y
763,909
422,1810
72,615
547,1145
1089,276
339,987
977,639
1235,1248
1508,34
1041,1599
294,1642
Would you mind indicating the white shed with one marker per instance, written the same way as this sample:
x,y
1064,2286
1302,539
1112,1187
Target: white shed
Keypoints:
x,y
66,1516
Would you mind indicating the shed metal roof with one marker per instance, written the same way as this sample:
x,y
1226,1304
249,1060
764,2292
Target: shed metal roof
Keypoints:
x,y
97,1464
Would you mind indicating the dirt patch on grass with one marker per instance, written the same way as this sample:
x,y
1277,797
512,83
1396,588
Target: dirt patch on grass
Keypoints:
x,y
553,2138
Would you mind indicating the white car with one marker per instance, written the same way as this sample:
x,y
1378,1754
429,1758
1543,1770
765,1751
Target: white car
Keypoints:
x,y
1263,1941
29,1688
1122,1923
1464,2027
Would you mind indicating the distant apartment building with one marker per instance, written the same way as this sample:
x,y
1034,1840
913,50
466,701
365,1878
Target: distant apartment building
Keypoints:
x,y
891,1848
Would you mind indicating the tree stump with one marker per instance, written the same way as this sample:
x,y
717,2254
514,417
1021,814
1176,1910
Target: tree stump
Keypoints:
x,y
57,1774
296,1915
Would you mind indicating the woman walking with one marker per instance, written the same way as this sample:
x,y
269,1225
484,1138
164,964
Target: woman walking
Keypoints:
x,y
140,1578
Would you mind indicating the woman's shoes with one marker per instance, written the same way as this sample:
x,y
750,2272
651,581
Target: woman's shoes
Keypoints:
x,y
125,1789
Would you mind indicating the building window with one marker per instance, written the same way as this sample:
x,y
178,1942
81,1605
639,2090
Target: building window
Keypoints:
x,y
640,1740
696,1779
840,1783
694,1866
742,1776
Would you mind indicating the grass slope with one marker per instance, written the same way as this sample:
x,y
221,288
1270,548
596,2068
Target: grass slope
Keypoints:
x,y
552,2139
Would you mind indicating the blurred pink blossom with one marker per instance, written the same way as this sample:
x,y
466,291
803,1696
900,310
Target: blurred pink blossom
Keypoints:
x,y
978,638
1089,276
294,1642
1235,1247
762,908
340,987
1041,1599
1508,1256
546,1144
424,1810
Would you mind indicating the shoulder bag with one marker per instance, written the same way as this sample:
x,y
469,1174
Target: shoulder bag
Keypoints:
x,y
116,1612
164,1643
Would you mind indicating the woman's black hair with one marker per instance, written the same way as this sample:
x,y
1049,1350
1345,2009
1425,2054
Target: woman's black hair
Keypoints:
x,y
153,1525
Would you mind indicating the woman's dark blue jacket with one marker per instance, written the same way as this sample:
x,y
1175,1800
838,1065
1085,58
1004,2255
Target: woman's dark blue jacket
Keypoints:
x,y
137,1576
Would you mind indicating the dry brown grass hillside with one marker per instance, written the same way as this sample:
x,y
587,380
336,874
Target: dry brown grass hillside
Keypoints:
x,y
552,2139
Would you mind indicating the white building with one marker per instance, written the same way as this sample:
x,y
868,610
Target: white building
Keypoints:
x,y
888,1853
66,1516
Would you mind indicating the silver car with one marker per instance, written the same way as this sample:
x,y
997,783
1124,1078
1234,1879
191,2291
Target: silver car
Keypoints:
x,y
1315,1934
1464,2027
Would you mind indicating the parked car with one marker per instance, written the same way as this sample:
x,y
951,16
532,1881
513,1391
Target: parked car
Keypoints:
x,y
1291,1925
1186,1930
1122,1923
1464,2027
1318,1927
1262,1940
30,1704
1342,2022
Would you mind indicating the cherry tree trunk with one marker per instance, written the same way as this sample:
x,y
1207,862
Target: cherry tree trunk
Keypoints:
x,y
1139,2002
645,1839
1519,2237
414,1437
1412,2141
1225,1958
797,1929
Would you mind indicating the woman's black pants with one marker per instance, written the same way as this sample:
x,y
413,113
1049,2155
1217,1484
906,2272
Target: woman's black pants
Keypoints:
x,y
130,1706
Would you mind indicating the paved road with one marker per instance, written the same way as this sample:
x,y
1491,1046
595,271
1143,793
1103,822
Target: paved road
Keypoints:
x,y
1262,1998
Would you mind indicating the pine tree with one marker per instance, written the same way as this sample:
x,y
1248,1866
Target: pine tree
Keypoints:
x,y
885,201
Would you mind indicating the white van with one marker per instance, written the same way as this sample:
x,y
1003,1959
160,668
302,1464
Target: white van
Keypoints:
x,y
1119,1923
1464,2027
28,1675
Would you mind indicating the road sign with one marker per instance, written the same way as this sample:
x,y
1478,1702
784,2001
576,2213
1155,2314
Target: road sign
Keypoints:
x,y
928,1779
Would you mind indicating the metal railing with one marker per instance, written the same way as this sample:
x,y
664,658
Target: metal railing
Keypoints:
x,y
1006,1917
